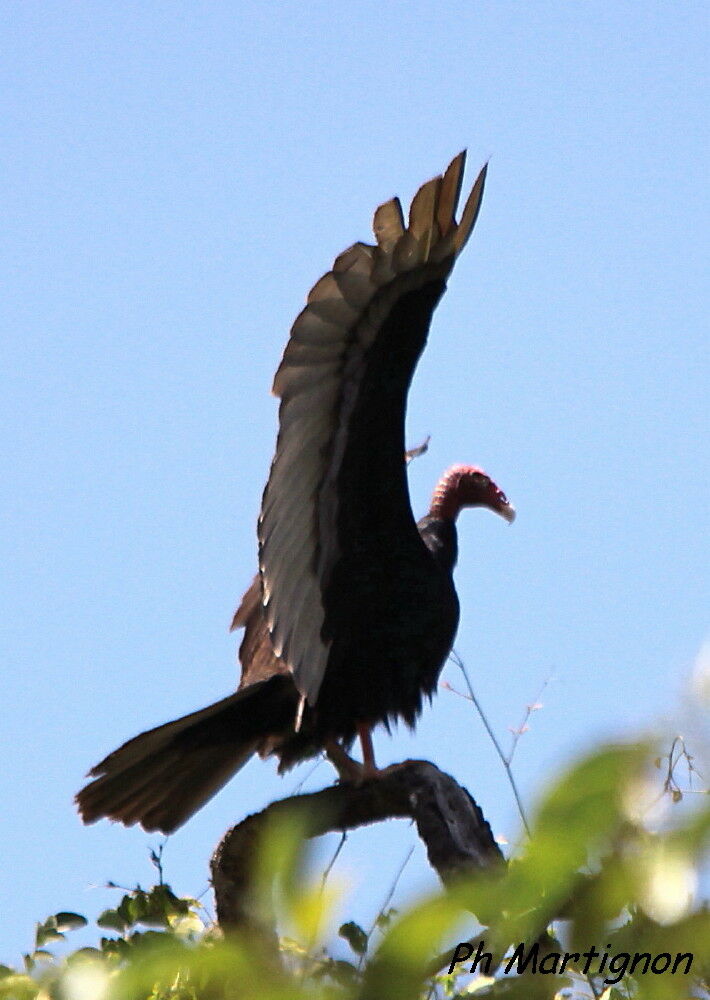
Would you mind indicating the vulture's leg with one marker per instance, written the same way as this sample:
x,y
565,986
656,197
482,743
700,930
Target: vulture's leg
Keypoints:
x,y
369,767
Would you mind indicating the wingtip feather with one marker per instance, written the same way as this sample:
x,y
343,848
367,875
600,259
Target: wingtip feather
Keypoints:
x,y
451,184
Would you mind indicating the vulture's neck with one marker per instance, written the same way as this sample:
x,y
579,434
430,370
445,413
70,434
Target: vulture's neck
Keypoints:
x,y
438,528
439,536
448,496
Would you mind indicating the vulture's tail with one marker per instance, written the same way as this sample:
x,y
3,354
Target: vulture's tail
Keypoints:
x,y
160,778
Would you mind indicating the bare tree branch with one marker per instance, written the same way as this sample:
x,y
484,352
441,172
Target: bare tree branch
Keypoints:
x,y
457,837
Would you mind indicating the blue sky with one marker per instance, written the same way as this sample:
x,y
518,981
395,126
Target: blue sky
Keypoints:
x,y
174,180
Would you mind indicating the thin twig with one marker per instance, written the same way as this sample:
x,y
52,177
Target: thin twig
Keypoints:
x,y
156,858
670,785
413,453
454,656
388,899
523,727
507,760
309,774
331,863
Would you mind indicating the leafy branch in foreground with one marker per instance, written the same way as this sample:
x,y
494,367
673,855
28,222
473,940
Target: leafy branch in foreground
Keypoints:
x,y
624,891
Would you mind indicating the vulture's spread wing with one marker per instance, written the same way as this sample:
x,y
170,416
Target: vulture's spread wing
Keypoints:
x,y
343,382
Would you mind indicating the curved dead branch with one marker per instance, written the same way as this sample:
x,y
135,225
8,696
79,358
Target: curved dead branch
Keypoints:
x,y
457,837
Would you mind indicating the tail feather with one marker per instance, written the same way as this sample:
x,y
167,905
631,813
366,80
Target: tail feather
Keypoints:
x,y
162,777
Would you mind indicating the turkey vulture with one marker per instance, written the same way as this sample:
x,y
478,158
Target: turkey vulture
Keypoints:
x,y
354,610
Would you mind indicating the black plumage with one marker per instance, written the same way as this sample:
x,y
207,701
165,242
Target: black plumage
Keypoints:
x,y
354,610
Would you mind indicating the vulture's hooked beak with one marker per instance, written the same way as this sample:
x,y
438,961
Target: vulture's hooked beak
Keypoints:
x,y
507,510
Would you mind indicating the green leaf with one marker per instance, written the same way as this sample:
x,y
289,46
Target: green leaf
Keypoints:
x,y
45,933
41,954
66,921
344,973
385,918
186,925
355,936
131,908
399,968
18,987
82,954
115,947
307,911
112,921
160,905
580,816
149,940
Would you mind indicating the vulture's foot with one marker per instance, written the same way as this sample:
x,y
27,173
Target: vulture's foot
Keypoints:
x,y
349,770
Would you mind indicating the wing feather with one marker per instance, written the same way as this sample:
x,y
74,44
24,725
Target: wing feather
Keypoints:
x,y
470,212
318,381
311,329
388,224
450,194
422,217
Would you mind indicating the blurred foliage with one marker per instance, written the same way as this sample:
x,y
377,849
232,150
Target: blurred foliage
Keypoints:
x,y
612,863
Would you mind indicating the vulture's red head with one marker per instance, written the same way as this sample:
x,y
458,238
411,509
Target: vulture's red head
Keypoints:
x,y
468,486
